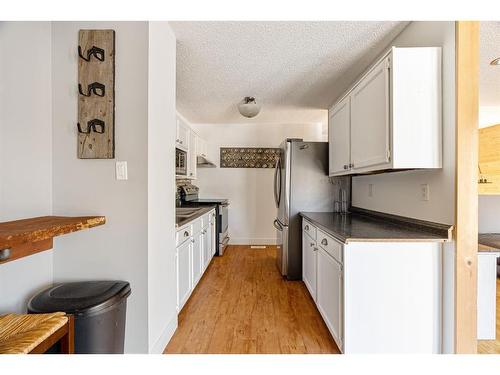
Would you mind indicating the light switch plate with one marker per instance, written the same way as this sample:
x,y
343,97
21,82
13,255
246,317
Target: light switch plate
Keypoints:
x,y
370,190
121,170
424,192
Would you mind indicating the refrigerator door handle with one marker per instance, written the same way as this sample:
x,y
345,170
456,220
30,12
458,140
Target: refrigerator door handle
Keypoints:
x,y
277,183
277,225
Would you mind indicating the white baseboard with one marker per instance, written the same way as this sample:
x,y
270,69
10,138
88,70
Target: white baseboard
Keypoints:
x,y
252,241
165,337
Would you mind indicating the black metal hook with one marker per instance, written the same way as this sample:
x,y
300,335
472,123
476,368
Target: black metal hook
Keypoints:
x,y
92,125
95,88
97,52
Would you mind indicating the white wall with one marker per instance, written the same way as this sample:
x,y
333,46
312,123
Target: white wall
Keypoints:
x,y
399,193
119,249
162,281
25,150
489,210
249,190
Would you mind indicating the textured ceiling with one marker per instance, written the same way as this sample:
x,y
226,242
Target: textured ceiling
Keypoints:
x,y
294,69
489,77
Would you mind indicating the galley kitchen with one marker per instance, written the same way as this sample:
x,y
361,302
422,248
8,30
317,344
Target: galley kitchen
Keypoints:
x,y
245,187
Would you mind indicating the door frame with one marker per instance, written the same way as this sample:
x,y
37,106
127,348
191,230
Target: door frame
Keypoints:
x,y
466,189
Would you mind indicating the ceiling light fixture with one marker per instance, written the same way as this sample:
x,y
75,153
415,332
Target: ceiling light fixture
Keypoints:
x,y
248,107
495,61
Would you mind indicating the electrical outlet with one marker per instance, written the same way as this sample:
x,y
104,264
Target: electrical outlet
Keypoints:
x,y
424,192
121,170
370,190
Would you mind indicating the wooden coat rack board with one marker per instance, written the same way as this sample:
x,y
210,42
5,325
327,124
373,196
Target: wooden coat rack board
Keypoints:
x,y
96,99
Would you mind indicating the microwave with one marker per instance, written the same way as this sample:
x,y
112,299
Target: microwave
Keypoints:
x,y
180,162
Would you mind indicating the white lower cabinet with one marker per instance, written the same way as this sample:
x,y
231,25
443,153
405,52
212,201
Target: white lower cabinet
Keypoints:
x,y
212,228
309,263
329,295
195,250
375,297
184,281
197,242
207,246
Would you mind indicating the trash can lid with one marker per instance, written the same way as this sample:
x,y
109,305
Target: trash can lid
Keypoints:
x,y
79,298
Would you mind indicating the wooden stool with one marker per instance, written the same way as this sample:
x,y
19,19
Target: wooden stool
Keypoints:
x,y
36,333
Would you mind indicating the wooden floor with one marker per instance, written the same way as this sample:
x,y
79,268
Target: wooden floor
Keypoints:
x,y
490,346
243,305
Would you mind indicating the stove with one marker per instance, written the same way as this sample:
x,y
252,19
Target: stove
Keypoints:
x,y
187,195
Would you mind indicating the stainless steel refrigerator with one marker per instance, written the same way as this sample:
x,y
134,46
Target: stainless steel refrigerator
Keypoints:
x,y
300,184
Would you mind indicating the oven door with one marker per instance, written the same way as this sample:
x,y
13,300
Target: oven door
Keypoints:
x,y
224,217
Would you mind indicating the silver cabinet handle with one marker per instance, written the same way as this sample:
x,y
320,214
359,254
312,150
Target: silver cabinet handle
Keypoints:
x,y
312,244
351,165
192,240
315,249
186,234
345,166
306,227
324,241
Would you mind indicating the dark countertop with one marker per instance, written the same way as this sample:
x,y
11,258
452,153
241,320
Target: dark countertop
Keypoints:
x,y
201,210
489,242
370,226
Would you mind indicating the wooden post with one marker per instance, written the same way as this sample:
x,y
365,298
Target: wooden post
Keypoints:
x,y
467,93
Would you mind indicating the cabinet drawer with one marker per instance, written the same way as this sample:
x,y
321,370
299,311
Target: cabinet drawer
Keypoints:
x,y
330,245
183,234
308,228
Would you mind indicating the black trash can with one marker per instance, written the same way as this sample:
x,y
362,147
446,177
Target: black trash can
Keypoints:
x,y
99,308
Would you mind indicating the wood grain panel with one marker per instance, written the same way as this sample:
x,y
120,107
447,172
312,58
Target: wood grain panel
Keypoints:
x,y
466,219
95,145
242,305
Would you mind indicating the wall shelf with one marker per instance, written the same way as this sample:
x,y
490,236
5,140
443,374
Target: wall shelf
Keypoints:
x,y
21,238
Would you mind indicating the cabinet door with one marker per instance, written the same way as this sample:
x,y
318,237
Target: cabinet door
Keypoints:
x,y
183,265
339,137
191,170
370,119
330,294
309,263
213,236
197,241
182,140
207,247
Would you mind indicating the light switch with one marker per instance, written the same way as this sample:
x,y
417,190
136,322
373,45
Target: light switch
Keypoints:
x,y
370,190
424,192
121,170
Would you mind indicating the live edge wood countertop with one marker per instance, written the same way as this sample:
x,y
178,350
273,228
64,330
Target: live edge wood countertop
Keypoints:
x,y
362,225
20,238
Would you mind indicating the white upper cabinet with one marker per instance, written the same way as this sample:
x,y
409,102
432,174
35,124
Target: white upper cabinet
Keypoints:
x,y
339,137
183,134
192,152
393,113
370,118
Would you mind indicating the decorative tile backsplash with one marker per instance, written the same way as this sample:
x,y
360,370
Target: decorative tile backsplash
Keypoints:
x,y
248,157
